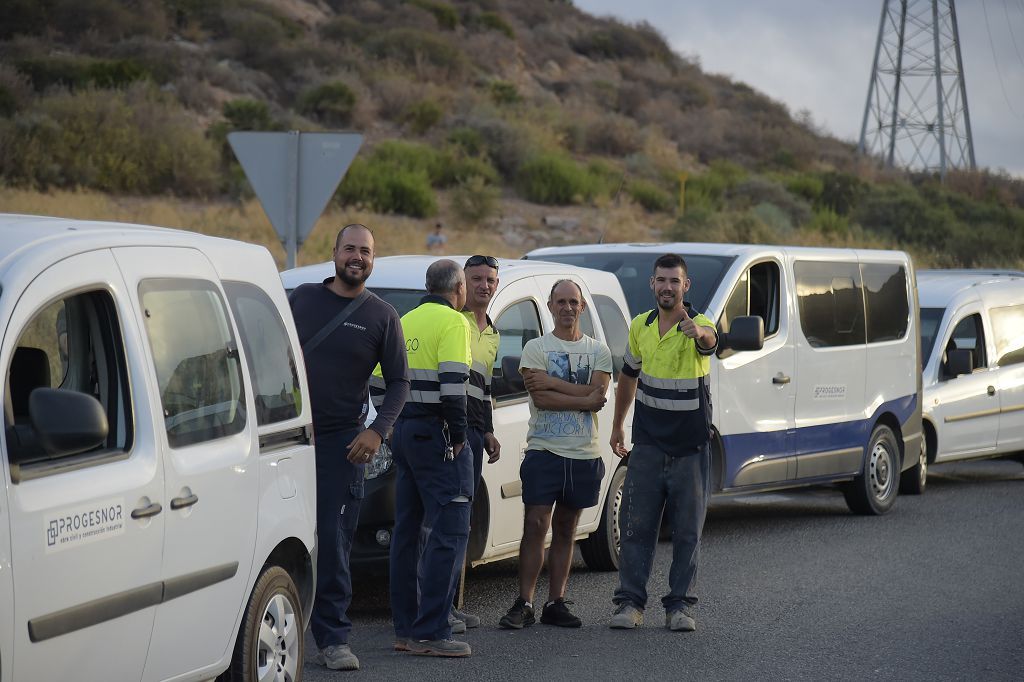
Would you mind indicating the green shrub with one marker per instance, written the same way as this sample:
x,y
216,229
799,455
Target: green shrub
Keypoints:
x,y
457,167
841,191
330,103
757,190
468,140
494,22
8,102
387,188
138,141
81,72
605,178
504,93
619,41
249,114
710,188
414,48
899,211
474,201
550,178
345,29
613,135
419,158
806,185
829,222
445,14
421,116
650,196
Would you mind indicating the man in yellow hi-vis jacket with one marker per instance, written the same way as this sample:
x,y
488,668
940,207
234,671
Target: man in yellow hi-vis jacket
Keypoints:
x,y
434,468
666,369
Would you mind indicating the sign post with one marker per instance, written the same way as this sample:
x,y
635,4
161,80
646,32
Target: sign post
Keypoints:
x,y
294,175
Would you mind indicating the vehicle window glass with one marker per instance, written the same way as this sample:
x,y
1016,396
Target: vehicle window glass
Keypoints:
x,y
1008,330
271,362
967,335
616,329
764,295
402,300
196,362
634,270
517,324
74,344
587,324
831,303
930,319
737,305
888,308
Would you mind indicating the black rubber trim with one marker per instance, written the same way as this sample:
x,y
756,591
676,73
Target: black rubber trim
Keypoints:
x,y
300,435
121,604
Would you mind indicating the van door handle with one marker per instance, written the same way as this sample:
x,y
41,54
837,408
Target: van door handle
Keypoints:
x,y
991,390
182,502
147,511
780,379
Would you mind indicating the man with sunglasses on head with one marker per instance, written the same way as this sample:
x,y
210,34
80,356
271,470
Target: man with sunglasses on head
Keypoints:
x,y
481,283
567,375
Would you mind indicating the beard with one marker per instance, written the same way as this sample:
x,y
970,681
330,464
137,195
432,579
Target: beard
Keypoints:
x,y
352,280
667,304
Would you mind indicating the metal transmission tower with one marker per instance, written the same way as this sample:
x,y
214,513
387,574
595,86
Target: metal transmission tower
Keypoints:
x,y
916,113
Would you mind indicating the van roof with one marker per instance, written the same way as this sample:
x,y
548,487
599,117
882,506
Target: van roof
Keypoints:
x,y
701,249
938,288
407,272
25,237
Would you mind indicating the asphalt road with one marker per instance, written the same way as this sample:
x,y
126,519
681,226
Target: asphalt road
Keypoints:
x,y
792,586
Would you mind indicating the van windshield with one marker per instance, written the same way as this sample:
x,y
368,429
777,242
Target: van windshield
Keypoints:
x,y
634,273
403,300
930,319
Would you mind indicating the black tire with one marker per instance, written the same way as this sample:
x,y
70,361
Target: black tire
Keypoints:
x,y
274,601
600,549
874,491
914,479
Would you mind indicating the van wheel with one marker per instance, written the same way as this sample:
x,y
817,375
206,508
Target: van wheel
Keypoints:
x,y
270,641
600,549
873,492
913,480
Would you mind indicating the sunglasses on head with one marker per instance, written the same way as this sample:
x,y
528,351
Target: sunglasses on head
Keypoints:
x,y
489,261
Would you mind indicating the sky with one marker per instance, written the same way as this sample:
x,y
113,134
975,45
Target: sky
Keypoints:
x,y
817,55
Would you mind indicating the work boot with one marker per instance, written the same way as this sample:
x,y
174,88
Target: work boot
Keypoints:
x,y
338,657
679,621
626,617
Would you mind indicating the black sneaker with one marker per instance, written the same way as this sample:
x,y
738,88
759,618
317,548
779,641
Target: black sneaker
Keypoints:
x,y
557,613
519,616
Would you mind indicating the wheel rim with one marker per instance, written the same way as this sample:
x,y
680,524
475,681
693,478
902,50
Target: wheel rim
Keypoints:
x,y
616,510
880,471
922,469
277,656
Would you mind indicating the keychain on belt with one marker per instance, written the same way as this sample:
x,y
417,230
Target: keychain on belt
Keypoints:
x,y
449,451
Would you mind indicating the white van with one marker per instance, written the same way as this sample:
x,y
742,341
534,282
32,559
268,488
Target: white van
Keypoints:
x,y
972,342
157,509
832,392
519,312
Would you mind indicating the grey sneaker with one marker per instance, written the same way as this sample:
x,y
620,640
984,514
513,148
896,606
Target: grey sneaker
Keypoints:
x,y
449,648
457,626
678,621
469,619
338,657
626,617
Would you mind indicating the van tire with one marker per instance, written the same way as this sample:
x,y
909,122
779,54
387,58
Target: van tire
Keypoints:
x,y
914,479
874,490
274,601
600,549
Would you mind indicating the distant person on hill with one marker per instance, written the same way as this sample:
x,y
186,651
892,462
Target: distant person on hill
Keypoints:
x,y
437,239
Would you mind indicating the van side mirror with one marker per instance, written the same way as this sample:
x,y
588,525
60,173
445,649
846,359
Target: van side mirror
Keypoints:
x,y
510,374
959,362
745,333
66,422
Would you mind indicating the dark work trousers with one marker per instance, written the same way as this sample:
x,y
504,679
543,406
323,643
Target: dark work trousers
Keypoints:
x,y
475,439
339,492
679,485
431,528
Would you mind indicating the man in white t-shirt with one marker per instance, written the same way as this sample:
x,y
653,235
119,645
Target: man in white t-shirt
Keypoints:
x,y
567,375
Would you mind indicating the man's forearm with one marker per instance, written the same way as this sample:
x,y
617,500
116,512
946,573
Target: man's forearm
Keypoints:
x,y
625,393
553,400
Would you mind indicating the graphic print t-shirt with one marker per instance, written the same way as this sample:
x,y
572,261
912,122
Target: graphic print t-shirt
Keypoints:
x,y
569,433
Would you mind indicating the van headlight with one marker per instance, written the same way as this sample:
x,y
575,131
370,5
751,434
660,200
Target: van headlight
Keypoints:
x,y
380,464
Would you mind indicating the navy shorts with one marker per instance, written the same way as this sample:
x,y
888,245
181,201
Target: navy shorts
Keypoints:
x,y
548,478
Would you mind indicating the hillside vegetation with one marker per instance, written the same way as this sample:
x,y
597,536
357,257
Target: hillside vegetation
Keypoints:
x,y
497,117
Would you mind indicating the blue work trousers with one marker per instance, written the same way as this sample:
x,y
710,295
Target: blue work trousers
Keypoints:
x,y
339,492
680,486
475,439
431,528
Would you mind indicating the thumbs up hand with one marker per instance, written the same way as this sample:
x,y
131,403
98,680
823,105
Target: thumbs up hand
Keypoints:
x,y
688,327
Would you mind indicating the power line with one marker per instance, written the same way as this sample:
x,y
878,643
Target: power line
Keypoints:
x,y
995,59
1009,25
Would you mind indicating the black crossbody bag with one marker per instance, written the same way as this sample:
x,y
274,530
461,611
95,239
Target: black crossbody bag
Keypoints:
x,y
338,320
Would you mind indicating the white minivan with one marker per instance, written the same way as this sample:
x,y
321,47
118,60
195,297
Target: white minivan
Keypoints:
x,y
157,506
519,312
972,341
830,394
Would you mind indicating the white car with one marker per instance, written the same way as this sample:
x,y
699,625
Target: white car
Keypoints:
x,y
519,311
830,394
157,508
972,342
